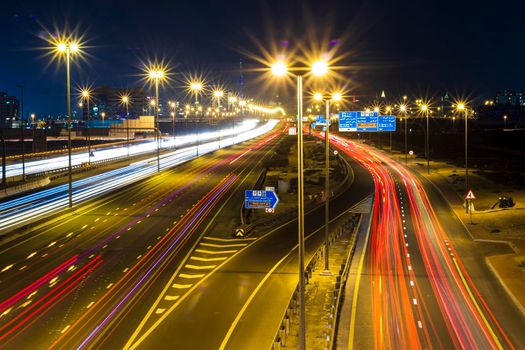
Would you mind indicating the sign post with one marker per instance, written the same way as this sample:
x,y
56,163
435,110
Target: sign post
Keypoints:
x,y
260,199
469,198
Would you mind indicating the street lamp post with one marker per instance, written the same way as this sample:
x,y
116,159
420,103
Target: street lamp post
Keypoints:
x,y
462,108
156,74
85,96
319,97
318,68
125,101
424,109
173,105
403,110
68,48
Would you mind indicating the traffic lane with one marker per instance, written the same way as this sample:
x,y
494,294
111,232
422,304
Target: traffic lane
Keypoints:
x,y
81,231
274,295
116,259
139,245
473,255
227,207
213,307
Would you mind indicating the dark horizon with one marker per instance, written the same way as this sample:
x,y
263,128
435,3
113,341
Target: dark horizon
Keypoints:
x,y
415,49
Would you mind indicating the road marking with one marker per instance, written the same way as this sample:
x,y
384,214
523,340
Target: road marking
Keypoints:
x,y
181,286
214,252
90,305
7,268
414,301
65,329
171,297
494,337
419,324
229,239
125,270
196,267
208,259
109,285
187,275
356,291
159,311
224,245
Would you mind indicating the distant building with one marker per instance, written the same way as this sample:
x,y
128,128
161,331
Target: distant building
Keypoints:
x,y
510,98
9,110
107,101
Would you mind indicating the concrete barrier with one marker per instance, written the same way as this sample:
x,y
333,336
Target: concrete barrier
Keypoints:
x,y
28,186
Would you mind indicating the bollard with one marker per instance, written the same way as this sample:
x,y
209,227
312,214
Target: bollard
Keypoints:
x,y
287,325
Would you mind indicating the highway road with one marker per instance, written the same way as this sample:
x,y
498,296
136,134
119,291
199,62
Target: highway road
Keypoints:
x,y
26,208
239,304
86,280
421,283
100,153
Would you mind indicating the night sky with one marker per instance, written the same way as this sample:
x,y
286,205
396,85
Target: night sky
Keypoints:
x,y
406,47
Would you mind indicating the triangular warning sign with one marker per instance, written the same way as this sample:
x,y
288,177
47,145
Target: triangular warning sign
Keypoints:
x,y
470,195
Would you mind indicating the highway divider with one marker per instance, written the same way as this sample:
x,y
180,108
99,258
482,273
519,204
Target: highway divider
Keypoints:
x,y
348,228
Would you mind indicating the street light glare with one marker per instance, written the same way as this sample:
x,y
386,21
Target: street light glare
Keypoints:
x,y
85,93
337,96
460,106
61,47
402,108
318,96
218,93
279,69
320,68
73,47
424,108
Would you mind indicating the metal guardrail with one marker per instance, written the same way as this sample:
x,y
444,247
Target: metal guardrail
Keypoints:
x,y
292,308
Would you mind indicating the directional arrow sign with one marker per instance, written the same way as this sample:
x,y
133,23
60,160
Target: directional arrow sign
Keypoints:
x,y
255,199
470,195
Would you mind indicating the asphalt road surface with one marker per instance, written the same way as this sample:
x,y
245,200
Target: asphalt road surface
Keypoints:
x,y
420,282
86,280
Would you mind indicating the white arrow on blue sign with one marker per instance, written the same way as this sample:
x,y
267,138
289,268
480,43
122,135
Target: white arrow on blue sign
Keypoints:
x,y
260,199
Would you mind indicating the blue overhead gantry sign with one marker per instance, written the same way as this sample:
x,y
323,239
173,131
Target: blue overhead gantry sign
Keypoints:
x,y
366,121
258,199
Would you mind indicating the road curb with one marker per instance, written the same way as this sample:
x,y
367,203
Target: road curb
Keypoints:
x,y
505,287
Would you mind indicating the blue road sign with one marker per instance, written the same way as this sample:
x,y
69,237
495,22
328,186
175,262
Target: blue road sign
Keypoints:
x,y
386,123
259,199
366,121
320,120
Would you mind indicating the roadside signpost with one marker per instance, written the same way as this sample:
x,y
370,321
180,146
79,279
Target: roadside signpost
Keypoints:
x,y
320,120
469,198
366,121
259,199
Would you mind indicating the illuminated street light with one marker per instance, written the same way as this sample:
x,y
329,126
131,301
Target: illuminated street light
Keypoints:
x,y
156,74
124,99
280,69
320,68
403,110
461,107
336,96
86,94
424,109
68,48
